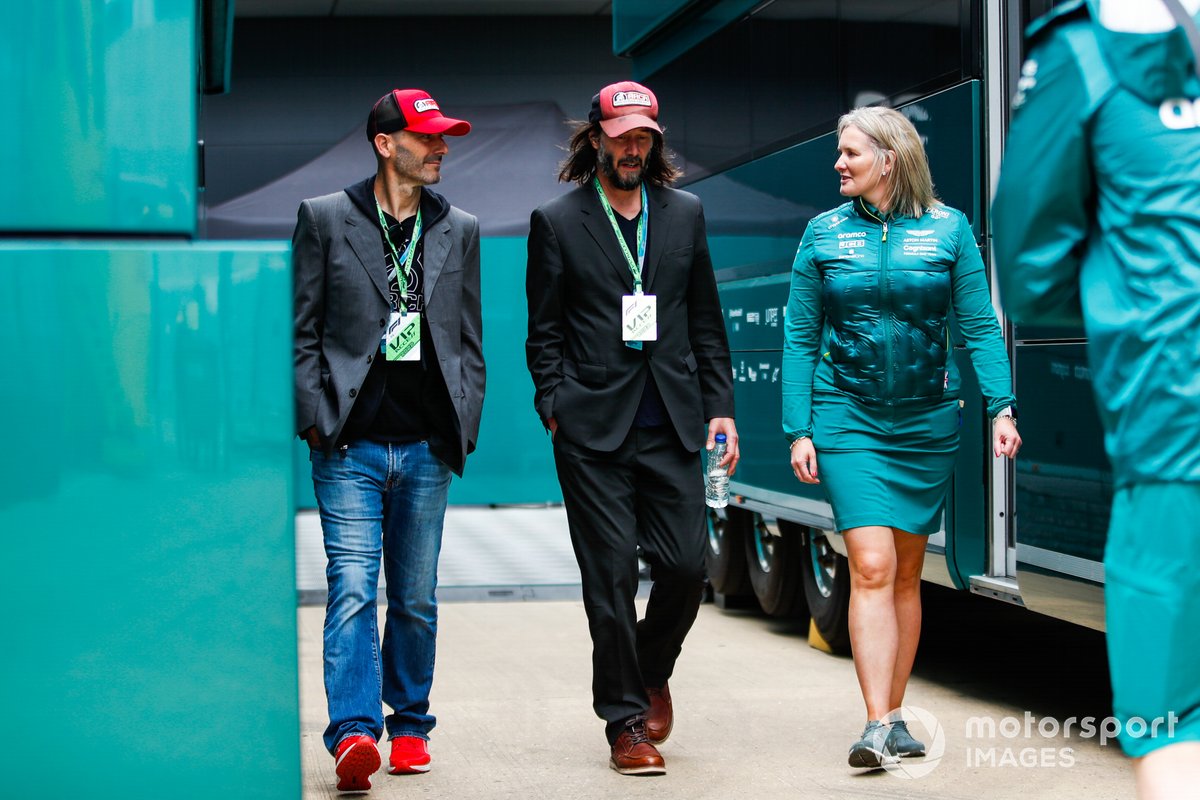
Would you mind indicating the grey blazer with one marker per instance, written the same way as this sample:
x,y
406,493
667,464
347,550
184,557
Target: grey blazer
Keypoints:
x,y
341,307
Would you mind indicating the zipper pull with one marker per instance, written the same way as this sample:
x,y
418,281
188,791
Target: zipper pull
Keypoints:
x,y
885,231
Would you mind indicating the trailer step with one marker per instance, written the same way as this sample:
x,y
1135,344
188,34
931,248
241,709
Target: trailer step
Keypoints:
x,y
998,588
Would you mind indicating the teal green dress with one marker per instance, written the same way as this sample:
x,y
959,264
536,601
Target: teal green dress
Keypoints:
x,y
868,367
885,465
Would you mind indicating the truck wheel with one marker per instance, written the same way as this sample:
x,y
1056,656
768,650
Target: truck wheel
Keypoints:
x,y
827,590
725,556
773,553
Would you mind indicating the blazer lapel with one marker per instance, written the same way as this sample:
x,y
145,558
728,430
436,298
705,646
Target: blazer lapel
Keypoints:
x,y
435,248
660,233
367,243
601,230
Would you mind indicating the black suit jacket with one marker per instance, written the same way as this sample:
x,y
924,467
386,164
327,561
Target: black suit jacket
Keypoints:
x,y
585,377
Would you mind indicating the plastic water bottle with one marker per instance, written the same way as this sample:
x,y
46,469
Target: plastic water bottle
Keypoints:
x,y
716,483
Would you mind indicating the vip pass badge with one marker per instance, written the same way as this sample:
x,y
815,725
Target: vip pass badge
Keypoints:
x,y
402,342
403,339
639,319
639,311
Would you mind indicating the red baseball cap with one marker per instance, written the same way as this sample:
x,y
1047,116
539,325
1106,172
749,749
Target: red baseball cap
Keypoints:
x,y
411,110
621,107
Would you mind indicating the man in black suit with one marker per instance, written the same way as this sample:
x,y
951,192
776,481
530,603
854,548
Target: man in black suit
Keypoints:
x,y
389,388
629,359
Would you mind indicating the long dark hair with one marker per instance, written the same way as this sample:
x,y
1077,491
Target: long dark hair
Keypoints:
x,y
580,164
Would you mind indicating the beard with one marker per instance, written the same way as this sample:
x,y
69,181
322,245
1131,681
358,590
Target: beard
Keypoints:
x,y
413,168
608,165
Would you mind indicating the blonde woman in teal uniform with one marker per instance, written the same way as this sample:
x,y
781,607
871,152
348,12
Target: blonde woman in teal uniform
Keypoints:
x,y
870,390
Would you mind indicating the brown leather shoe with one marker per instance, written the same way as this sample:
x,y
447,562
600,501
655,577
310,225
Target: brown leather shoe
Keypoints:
x,y
632,753
660,717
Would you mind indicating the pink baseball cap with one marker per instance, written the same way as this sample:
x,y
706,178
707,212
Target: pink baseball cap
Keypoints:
x,y
411,110
621,107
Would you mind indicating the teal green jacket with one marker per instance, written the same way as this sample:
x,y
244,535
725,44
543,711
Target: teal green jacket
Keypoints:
x,y
1097,220
866,315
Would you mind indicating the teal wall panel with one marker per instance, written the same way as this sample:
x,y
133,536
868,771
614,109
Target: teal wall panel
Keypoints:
x,y
146,506
513,463
100,105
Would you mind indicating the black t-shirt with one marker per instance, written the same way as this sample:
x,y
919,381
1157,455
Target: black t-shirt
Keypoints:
x,y
651,411
393,404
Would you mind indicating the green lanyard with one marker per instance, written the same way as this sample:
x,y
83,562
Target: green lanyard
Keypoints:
x,y
643,228
398,259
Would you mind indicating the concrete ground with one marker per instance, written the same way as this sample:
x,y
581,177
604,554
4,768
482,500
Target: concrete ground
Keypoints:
x,y
759,714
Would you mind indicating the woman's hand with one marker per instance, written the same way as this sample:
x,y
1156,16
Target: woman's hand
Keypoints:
x,y
804,460
1005,439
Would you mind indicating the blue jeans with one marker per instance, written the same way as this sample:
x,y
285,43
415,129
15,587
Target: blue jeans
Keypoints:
x,y
380,500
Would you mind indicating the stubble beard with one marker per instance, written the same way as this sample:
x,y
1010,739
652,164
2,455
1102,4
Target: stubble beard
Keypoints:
x,y
608,166
415,169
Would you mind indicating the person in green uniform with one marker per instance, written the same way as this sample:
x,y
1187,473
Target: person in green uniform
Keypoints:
x,y
870,390
1097,220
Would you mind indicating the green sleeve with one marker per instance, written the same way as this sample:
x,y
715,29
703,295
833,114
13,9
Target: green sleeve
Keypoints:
x,y
803,321
1040,213
976,317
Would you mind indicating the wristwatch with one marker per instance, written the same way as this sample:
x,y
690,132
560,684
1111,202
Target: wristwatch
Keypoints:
x,y
1007,411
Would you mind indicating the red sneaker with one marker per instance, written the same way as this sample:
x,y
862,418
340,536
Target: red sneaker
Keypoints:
x,y
357,758
410,755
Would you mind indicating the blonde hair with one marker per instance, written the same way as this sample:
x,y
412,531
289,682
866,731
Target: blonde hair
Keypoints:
x,y
910,190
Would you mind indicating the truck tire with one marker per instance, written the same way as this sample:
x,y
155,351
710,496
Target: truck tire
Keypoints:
x,y
725,555
774,564
827,590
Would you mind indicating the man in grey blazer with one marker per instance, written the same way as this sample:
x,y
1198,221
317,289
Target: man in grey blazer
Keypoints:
x,y
629,360
389,387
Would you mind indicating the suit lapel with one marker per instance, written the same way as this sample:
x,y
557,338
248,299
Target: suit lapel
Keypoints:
x,y
367,243
660,232
435,248
601,230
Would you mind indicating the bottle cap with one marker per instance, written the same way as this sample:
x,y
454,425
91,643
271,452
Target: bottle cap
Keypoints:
x,y
720,437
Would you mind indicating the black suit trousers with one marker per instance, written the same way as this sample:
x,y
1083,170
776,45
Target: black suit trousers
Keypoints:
x,y
647,494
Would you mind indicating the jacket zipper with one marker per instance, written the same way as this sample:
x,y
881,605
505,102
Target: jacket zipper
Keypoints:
x,y
884,313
